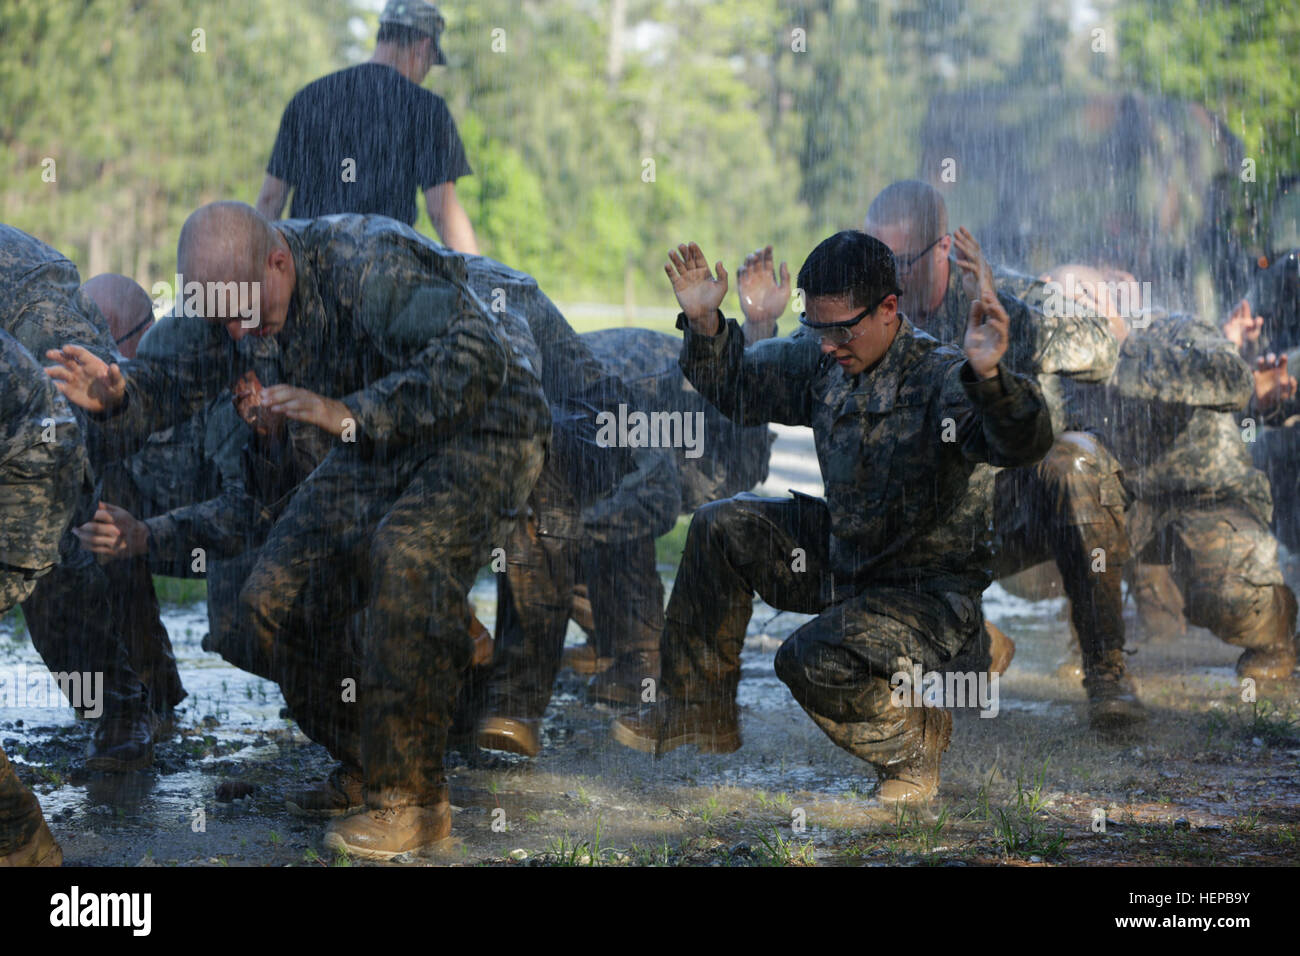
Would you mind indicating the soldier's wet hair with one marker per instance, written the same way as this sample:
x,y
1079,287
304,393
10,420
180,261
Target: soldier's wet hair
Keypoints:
x,y
914,202
853,264
225,241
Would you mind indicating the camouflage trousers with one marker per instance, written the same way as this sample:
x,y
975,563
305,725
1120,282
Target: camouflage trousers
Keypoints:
x,y
70,616
399,542
1276,452
535,602
1223,559
1069,508
839,665
138,620
20,814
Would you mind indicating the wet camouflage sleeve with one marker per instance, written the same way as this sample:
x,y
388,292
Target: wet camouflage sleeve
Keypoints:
x,y
40,480
645,499
1182,359
41,301
767,382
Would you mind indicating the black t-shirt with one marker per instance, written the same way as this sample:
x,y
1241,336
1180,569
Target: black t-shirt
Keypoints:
x,y
400,137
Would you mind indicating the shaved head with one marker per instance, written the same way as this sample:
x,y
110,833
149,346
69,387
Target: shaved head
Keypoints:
x,y
225,245
225,242
125,305
914,203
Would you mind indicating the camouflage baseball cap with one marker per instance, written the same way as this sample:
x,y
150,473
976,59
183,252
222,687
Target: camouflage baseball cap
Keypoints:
x,y
419,16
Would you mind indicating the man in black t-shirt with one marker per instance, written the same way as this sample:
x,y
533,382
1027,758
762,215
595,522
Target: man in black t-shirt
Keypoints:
x,y
367,138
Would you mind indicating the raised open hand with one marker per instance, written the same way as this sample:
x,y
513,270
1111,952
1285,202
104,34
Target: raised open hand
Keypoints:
x,y
698,292
85,379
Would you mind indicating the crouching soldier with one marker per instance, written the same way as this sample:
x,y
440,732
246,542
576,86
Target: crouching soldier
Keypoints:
x,y
44,464
438,427
893,561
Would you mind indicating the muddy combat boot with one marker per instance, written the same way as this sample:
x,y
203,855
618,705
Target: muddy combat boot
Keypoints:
x,y
1113,704
338,794
669,723
383,834
916,779
515,735
1277,660
121,743
583,659
1001,649
621,685
25,840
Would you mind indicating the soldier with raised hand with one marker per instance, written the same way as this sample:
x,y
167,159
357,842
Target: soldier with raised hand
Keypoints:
x,y
69,613
42,466
440,428
1070,506
886,561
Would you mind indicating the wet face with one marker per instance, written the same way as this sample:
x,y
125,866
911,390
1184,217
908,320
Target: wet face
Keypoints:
x,y
869,339
922,271
274,293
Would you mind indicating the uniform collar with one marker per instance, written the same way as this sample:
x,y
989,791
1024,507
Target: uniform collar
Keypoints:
x,y
877,389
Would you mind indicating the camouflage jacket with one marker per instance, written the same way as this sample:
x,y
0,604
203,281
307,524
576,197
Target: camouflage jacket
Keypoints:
x,y
381,319
897,445
1172,414
622,493
43,469
734,458
43,307
1047,347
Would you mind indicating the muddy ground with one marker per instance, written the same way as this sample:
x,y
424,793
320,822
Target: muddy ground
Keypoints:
x,y
1212,781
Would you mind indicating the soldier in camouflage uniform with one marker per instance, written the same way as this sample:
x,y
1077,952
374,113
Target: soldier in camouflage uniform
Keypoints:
x,y
69,613
442,426
1172,412
623,584
128,310
591,499
892,562
42,469
1071,503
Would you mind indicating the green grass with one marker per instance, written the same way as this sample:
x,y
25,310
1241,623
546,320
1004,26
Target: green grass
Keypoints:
x,y
182,591
668,549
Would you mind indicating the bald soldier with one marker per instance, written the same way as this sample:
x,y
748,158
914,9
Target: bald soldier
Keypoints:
x,y
1070,506
439,427
42,467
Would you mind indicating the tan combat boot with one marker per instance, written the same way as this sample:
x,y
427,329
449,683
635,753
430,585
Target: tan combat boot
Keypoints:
x,y
669,723
916,778
386,833
1001,649
583,659
1113,704
339,793
621,685
1277,660
515,735
23,822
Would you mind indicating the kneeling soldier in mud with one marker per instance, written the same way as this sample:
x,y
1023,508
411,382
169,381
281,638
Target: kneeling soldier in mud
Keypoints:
x,y
1071,503
69,612
891,561
441,428
1171,411
621,581
591,497
41,478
